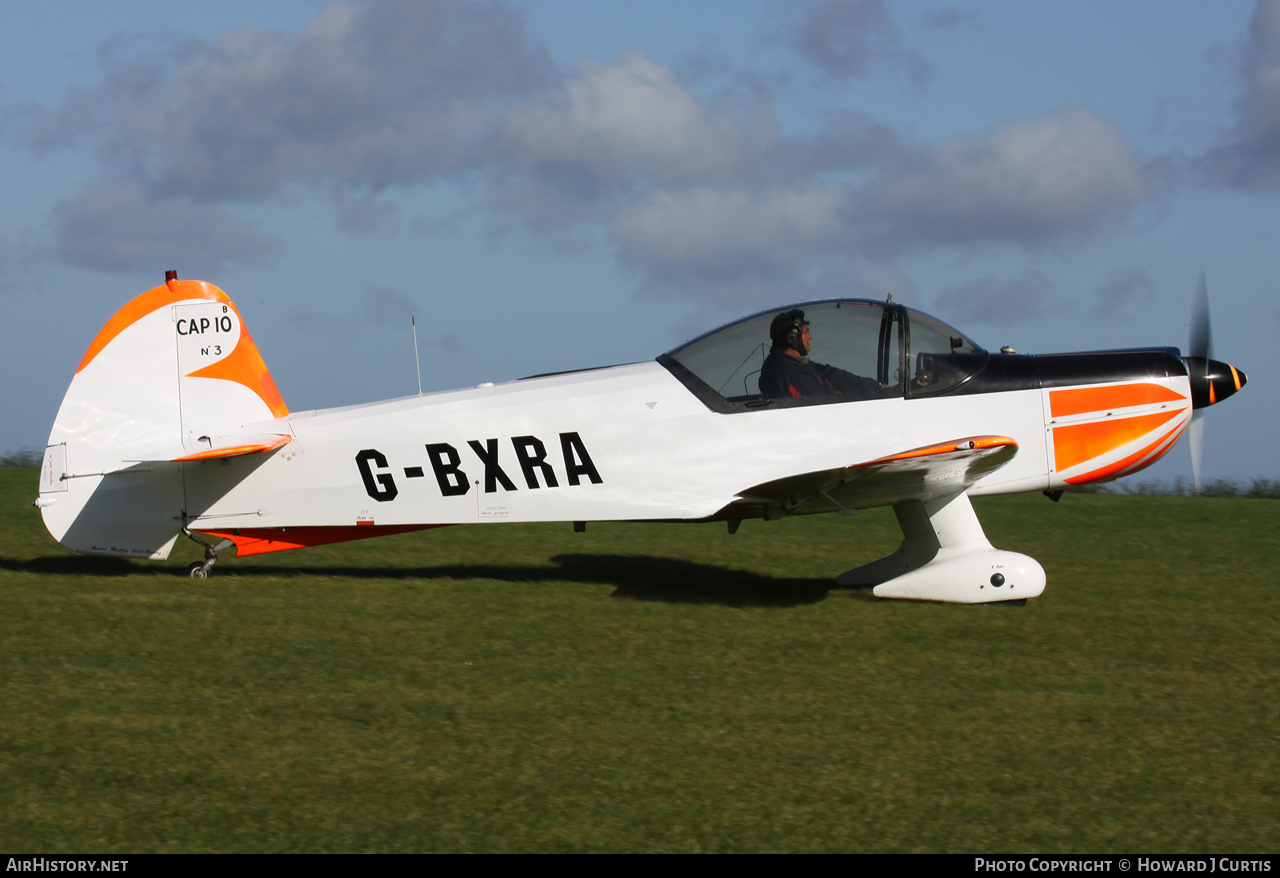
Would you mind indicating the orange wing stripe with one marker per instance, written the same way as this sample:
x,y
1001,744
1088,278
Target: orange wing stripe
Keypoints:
x,y
1078,400
1076,443
157,297
966,444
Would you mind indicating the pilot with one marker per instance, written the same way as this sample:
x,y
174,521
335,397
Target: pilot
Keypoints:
x,y
788,371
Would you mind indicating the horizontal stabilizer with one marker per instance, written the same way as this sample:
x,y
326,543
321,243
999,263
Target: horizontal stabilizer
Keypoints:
x,y
243,445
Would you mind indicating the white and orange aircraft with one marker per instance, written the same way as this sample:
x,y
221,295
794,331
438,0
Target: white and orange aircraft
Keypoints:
x,y
172,426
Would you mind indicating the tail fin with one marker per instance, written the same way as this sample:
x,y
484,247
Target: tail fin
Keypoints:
x,y
174,376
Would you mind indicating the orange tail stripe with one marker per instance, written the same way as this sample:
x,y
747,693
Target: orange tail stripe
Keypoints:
x,y
157,297
1078,400
1076,443
244,366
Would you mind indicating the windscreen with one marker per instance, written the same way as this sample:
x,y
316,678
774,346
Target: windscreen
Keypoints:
x,y
844,340
941,357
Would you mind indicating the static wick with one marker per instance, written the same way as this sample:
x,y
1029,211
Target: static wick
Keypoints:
x,y
416,362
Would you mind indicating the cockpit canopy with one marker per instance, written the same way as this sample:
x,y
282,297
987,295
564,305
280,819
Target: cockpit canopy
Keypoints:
x,y
906,352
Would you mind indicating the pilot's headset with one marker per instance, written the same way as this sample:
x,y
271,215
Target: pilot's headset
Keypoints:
x,y
787,331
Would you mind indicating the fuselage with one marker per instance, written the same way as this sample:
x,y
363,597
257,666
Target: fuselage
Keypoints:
x,y
633,442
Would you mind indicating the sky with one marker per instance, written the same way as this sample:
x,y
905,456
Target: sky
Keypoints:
x,y
557,184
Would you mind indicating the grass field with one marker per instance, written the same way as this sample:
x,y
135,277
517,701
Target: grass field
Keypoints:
x,y
649,688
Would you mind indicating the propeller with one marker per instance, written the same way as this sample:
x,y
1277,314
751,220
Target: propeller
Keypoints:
x,y
1211,381
1200,346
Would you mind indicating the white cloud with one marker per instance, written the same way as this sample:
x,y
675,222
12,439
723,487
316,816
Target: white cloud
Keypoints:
x,y
370,94
363,216
997,301
633,117
1249,158
728,232
118,227
367,96
1121,292
850,38
387,307
701,197
1025,183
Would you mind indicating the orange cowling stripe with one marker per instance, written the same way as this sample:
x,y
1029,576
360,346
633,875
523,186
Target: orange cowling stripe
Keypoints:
x,y
1078,400
1133,462
153,299
1076,443
244,366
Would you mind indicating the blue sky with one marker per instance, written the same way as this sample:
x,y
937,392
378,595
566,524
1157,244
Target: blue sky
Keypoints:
x,y
560,184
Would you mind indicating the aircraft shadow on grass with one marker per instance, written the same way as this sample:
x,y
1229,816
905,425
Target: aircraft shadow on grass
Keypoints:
x,y
635,577
75,565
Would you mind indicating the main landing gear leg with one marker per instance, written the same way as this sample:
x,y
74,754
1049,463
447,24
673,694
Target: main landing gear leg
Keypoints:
x,y
198,569
945,556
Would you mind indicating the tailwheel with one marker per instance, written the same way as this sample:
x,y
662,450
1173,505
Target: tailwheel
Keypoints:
x,y
201,569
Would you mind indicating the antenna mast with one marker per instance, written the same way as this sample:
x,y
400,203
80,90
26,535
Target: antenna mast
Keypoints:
x,y
417,364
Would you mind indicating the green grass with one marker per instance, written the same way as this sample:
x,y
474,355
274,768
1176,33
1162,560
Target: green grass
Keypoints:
x,y
649,688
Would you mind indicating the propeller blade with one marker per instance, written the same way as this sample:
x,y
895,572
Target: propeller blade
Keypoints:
x,y
1201,345
1195,435
1201,331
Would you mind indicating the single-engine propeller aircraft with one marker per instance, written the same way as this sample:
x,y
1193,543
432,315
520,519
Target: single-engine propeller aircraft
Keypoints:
x,y
173,426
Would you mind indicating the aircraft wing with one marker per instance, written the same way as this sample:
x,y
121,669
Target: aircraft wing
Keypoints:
x,y
919,473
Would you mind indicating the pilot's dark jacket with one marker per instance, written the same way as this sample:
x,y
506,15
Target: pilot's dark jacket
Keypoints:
x,y
784,375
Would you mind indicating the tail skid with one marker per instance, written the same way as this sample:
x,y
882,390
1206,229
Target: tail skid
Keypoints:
x,y
172,380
